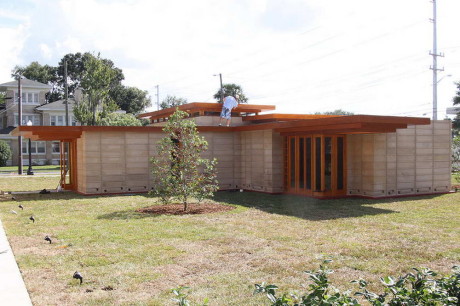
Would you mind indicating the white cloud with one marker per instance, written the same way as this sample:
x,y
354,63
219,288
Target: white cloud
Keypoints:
x,y
302,55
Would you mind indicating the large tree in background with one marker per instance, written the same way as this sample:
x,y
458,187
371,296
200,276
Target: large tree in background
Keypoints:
x,y
43,74
77,64
172,101
456,100
96,81
130,99
231,90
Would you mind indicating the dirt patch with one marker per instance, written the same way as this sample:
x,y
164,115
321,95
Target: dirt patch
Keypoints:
x,y
192,209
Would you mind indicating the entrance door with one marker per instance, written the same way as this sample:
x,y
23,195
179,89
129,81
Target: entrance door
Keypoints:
x,y
316,165
68,167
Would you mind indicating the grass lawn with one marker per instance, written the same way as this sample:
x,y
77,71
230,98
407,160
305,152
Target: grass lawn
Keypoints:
x,y
28,182
270,238
36,169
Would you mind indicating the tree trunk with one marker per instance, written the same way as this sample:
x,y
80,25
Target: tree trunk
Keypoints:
x,y
185,205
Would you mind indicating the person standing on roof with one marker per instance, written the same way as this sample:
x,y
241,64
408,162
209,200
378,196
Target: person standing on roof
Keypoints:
x,y
226,113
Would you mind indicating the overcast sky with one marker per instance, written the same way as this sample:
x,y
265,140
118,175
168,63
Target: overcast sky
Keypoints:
x,y
304,56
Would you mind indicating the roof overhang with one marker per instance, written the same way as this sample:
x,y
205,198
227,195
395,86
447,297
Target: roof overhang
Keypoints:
x,y
201,107
68,133
355,124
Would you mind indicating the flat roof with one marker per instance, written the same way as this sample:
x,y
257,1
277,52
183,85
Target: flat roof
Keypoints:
x,y
353,124
206,107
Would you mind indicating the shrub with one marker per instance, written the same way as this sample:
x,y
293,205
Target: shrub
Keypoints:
x,y
415,288
5,153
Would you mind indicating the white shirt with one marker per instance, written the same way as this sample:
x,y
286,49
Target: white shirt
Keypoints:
x,y
230,102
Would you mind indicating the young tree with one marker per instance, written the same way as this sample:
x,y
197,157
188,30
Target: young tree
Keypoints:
x,y
172,101
179,171
5,153
231,90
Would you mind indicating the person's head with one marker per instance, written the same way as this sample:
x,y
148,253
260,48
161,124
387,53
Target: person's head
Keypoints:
x,y
237,96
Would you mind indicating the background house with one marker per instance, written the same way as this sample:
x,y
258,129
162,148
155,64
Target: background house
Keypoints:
x,y
36,110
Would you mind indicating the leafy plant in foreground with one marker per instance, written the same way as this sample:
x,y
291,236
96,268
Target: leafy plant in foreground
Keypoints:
x,y
415,288
321,292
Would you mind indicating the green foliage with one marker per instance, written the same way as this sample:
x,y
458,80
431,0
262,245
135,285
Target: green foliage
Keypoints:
x,y
335,112
120,119
231,90
2,98
179,171
5,153
320,292
456,153
456,100
44,74
96,82
172,101
77,66
181,297
130,99
417,288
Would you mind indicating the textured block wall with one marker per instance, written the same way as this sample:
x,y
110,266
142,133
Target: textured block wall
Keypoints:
x,y
119,162
226,148
415,160
262,161
115,162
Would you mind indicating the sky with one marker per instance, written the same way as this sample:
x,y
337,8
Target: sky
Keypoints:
x,y
303,56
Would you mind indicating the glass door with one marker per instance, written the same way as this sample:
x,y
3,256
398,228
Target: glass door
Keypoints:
x,y
316,165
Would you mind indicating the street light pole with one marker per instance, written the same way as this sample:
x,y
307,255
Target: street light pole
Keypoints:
x,y
19,124
30,171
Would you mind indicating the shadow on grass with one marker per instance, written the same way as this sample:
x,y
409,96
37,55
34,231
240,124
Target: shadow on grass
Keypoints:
x,y
289,205
310,208
126,215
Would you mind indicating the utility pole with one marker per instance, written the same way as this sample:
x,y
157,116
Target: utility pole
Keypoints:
x,y
435,69
221,89
66,95
19,124
158,96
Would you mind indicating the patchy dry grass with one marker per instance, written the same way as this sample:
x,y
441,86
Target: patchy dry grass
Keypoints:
x,y
220,256
28,183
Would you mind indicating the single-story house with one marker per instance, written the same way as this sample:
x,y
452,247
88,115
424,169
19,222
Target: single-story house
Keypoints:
x,y
312,155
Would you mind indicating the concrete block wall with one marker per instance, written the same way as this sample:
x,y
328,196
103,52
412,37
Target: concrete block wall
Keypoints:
x,y
115,162
119,162
226,148
415,160
262,161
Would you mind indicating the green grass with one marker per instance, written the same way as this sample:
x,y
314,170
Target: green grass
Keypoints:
x,y
28,183
36,169
269,238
